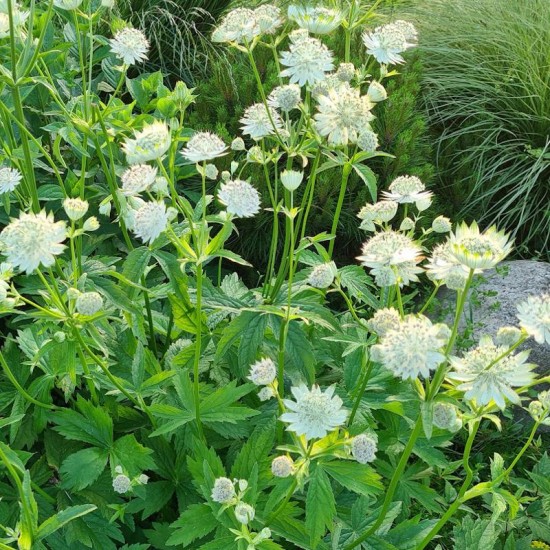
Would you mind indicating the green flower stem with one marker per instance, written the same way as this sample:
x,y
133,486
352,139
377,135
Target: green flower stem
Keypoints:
x,y
430,299
73,255
369,365
392,487
343,186
307,199
273,516
197,357
399,300
87,376
82,64
351,308
121,80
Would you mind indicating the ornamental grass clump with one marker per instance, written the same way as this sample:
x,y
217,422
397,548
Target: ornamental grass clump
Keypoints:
x,y
151,398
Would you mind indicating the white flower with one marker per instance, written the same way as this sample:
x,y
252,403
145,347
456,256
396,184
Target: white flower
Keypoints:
x,y
343,115
263,372
443,266
307,61
392,258
291,179
244,513
363,448
137,179
377,213
409,189
33,240
258,122
408,29
323,87
282,466
477,250
508,336
67,4
322,275
18,17
89,303
143,479
266,393
445,416
240,25
534,317
485,375
383,321
223,490
368,141
149,221
148,144
238,144
240,198
316,19
269,18
377,92
441,224
130,45
75,208
412,349
314,413
91,224
204,146
285,97
121,484
108,4
387,42
345,72
9,179
4,25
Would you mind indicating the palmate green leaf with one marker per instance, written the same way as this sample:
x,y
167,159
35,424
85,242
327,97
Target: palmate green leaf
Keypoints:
x,y
241,327
81,469
320,506
60,519
408,534
475,534
359,478
93,531
133,456
176,418
157,495
251,340
355,280
196,522
222,543
224,397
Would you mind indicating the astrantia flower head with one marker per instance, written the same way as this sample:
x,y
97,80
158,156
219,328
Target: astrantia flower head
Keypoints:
x,y
9,179
377,213
343,115
204,146
412,349
322,275
445,416
316,19
345,72
148,144
238,144
477,250
67,4
291,179
286,98
33,240
383,321
441,224
137,179
266,393
534,317
363,448
150,220
409,189
368,141
130,45
508,336
240,198
444,267
486,374
392,257
75,208
223,490
258,123
121,484
314,413
244,513
240,25
269,18
18,17
89,303
377,92
387,42
307,60
263,372
282,466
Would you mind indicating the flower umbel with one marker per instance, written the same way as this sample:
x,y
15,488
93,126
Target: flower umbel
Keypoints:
x,y
223,490
204,146
263,372
316,19
240,198
137,179
534,317
257,122
130,45
148,144
9,179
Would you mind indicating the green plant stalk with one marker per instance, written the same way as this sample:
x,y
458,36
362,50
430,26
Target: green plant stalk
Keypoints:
x,y
82,64
351,307
430,299
392,486
399,300
343,186
87,376
197,357
369,365
307,199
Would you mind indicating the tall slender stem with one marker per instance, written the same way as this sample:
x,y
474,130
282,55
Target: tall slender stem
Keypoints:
x,y
369,365
343,187
198,345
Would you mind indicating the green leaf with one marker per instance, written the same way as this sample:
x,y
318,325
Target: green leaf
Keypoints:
x,y
195,523
251,340
354,279
369,177
60,519
176,418
255,451
359,478
135,263
81,469
133,456
222,543
427,411
320,506
475,534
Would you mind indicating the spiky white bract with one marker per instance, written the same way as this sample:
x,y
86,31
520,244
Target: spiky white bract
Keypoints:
x,y
263,372
269,18
322,275
376,92
244,513
67,4
445,416
387,42
223,490
9,179
409,189
343,114
383,321
239,25
148,144
291,179
89,303
534,317
314,413
392,258
121,484
75,208
306,61
377,213
204,146
239,198
282,466
442,266
137,179
130,45
368,141
286,97
412,349
33,240
257,122
487,374
477,250
363,448
150,220
315,19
